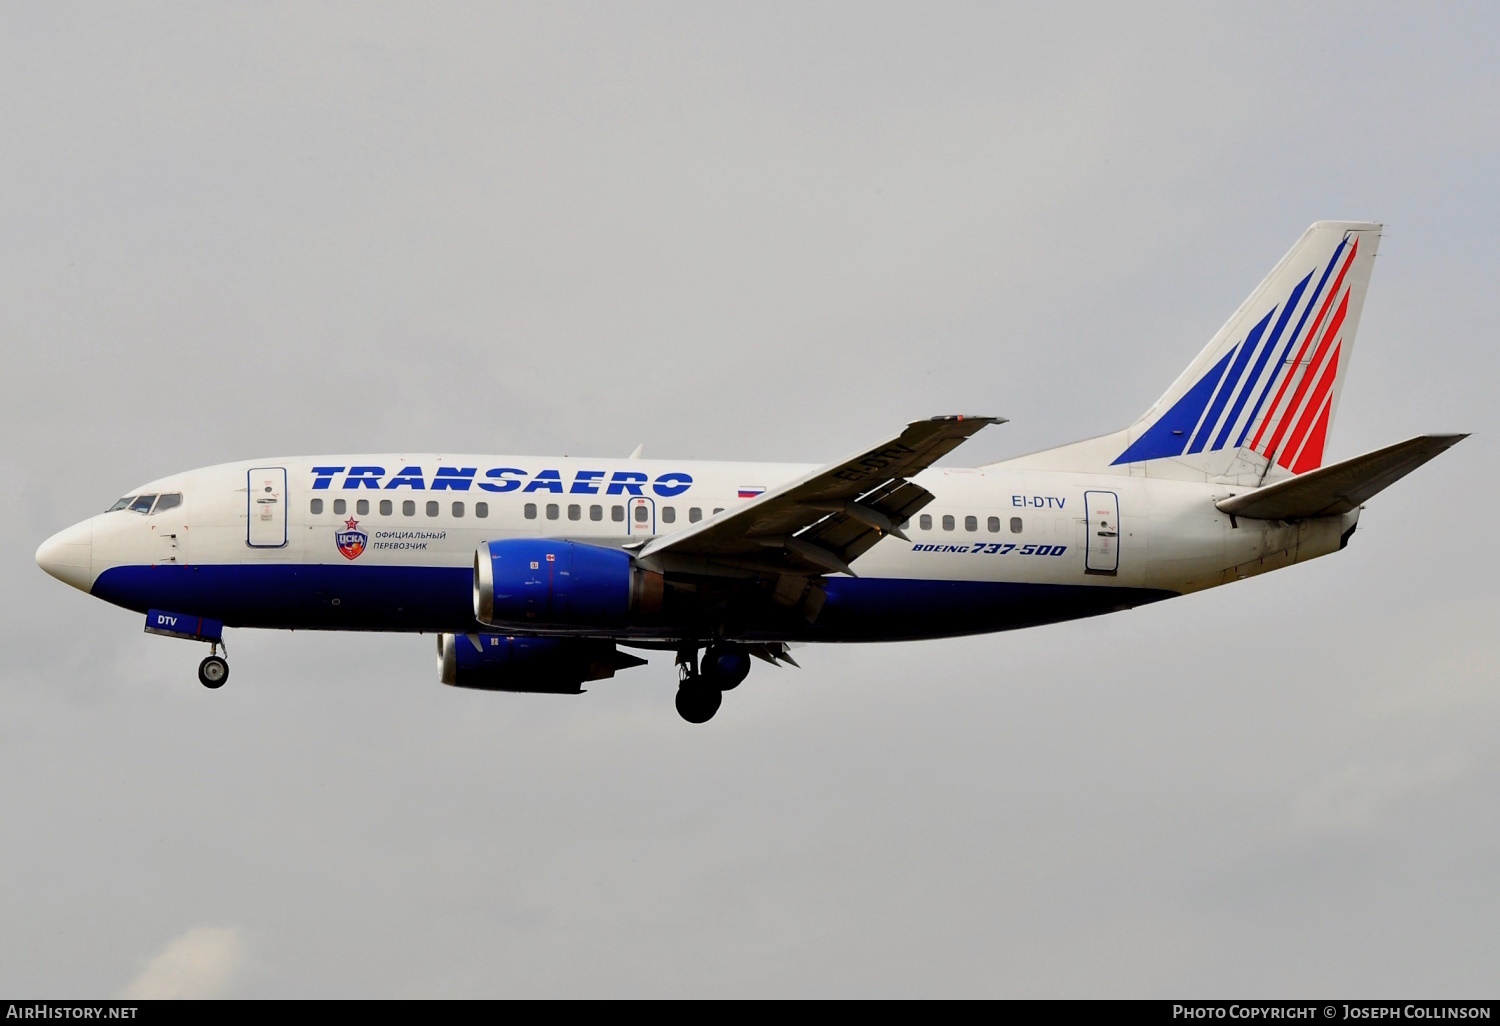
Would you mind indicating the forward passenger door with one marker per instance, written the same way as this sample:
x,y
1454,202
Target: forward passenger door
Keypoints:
x,y
266,501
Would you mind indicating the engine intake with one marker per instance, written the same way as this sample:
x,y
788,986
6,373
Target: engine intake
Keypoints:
x,y
498,662
540,581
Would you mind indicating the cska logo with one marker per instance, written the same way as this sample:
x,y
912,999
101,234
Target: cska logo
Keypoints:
x,y
351,541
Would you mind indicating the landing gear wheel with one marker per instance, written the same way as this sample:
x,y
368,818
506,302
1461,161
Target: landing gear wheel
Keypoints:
x,y
725,666
697,702
214,671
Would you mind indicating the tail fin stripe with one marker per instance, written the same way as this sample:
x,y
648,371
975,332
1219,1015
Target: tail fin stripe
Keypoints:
x,y
1167,437
1289,416
1310,456
1231,380
1272,421
1289,370
1291,340
1297,440
1248,384
1218,376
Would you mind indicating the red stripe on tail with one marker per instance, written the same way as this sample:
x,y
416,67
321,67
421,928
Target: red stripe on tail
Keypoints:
x,y
1305,423
1273,446
1311,457
1338,283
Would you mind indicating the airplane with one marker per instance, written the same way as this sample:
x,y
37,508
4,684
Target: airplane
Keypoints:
x,y
537,574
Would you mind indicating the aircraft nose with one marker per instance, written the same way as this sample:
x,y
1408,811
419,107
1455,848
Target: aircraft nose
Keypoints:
x,y
68,555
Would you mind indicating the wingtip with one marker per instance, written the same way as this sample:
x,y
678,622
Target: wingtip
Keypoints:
x,y
1447,439
978,418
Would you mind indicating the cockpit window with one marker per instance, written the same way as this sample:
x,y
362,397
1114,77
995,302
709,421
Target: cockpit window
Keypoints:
x,y
142,504
121,504
169,500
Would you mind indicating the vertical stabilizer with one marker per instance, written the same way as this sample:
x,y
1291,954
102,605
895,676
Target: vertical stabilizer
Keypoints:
x,y
1257,403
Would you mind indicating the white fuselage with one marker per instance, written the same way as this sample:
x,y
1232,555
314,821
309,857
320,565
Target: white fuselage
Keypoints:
x,y
245,531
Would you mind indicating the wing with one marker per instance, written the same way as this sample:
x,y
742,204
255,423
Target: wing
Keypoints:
x,y
822,522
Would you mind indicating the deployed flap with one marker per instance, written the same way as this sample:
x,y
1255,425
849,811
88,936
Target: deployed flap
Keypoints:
x,y
821,522
1341,487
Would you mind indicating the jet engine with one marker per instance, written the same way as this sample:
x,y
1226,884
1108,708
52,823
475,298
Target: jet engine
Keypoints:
x,y
540,580
498,662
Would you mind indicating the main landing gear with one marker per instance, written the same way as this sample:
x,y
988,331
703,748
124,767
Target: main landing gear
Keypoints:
x,y
214,670
700,692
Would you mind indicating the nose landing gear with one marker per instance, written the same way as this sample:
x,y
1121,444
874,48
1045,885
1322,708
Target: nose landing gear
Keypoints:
x,y
214,670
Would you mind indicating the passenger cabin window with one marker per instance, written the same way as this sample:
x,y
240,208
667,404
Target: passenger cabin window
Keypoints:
x,y
617,514
575,512
718,510
316,506
458,510
971,523
409,508
993,523
925,522
385,507
432,507
142,504
1015,525
340,506
947,521
669,514
695,514
362,507
529,511
641,514
552,511
596,513
122,504
481,510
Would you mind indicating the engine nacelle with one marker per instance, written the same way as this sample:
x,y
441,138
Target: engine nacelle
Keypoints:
x,y
497,662
541,580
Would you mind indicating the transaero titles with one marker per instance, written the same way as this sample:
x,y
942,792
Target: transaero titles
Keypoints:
x,y
502,479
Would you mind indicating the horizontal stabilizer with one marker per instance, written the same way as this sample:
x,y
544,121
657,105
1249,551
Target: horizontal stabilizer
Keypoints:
x,y
1341,487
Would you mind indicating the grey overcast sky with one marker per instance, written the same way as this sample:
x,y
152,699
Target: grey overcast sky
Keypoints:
x,y
743,231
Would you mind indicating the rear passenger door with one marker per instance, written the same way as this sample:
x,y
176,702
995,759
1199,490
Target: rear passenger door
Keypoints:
x,y
1103,542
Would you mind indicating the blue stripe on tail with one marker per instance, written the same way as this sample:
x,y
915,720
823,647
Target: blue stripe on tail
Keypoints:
x,y
1169,435
1292,339
1235,373
1260,364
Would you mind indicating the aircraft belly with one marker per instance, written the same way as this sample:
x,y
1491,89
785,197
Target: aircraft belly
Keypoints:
x,y
439,599
310,596
887,609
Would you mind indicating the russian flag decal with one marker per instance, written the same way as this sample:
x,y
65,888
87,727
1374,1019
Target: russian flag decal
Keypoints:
x,y
751,491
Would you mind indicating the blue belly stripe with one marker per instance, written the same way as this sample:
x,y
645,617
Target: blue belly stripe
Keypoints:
x,y
438,599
